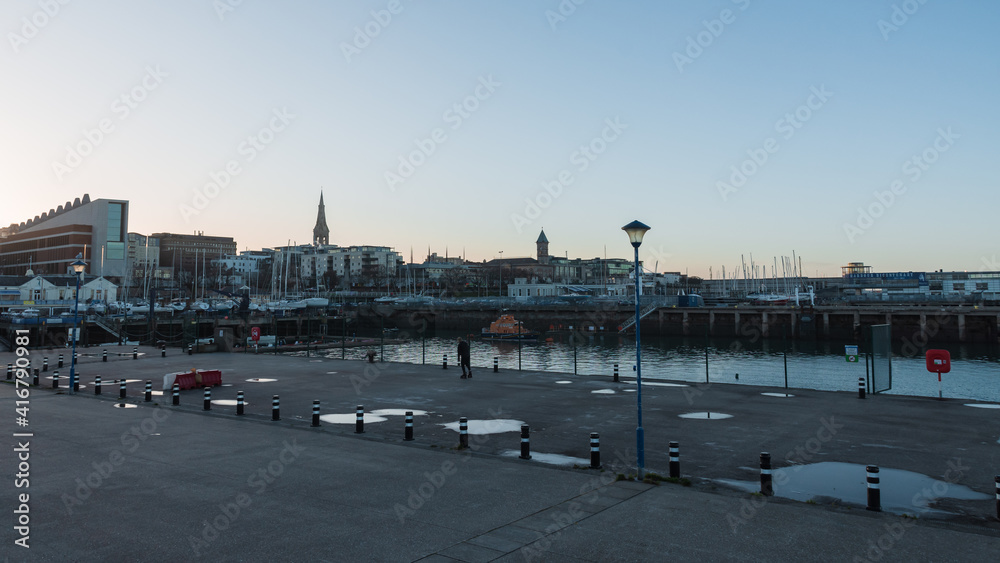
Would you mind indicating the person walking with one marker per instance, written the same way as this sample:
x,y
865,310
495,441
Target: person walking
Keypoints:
x,y
464,358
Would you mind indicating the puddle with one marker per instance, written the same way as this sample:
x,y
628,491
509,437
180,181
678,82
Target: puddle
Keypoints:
x,y
396,412
226,385
226,402
315,361
489,426
350,418
125,406
603,391
705,415
260,380
782,395
553,459
901,491
657,384
629,390
563,382
331,372
983,405
157,393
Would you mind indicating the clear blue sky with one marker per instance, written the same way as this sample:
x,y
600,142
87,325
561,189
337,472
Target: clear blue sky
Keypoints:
x,y
674,96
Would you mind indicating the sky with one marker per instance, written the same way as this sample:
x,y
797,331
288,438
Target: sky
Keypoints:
x,y
845,131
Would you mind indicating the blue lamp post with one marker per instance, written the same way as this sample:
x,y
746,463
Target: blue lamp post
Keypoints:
x,y
78,268
635,231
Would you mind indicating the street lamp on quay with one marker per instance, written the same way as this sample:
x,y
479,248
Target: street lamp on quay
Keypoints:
x,y
635,231
500,292
78,267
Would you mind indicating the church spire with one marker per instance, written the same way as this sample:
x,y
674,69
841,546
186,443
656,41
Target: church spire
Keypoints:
x,y
321,233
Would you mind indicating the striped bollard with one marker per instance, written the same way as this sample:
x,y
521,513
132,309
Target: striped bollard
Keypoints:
x,y
190,350
463,432
496,364
359,423
275,409
163,351
595,450
10,371
315,414
75,382
675,460
135,353
861,388
177,394
616,373
76,356
239,402
874,493
97,385
34,379
208,399
996,479
444,363
104,356
121,389
408,430
55,380
766,488
60,360
525,442
45,365
149,392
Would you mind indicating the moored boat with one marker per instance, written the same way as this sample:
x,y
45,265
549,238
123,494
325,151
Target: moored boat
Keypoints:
x,y
507,328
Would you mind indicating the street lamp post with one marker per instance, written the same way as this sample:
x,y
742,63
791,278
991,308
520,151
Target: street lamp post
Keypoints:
x,y
78,268
635,231
500,269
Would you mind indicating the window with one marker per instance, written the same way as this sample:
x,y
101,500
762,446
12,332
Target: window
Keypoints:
x,y
958,286
115,213
982,286
115,251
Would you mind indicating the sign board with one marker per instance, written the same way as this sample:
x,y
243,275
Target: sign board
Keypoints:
x,y
938,361
851,353
255,333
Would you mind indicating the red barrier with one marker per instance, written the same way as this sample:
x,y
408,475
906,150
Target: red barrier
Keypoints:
x,y
186,380
210,378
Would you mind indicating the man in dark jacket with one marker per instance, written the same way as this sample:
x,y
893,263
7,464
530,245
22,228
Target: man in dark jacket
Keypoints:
x,y
464,359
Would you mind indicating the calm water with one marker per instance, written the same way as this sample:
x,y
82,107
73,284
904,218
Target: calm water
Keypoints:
x,y
975,368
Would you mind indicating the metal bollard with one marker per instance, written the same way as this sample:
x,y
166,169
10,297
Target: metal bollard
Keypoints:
x,y
34,379
861,388
45,365
525,442
766,488
408,431
97,385
104,356
675,460
149,392
275,409
595,450
135,353
444,364
10,371
874,493
315,413
177,394
76,356
190,350
496,364
359,423
996,479
121,389
75,381
239,402
616,373
208,399
163,351
463,432
55,380
60,360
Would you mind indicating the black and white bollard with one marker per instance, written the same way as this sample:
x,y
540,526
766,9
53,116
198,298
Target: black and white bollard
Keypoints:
x,y
315,423
190,350
97,385
60,360
766,488
444,363
177,394
275,409
135,353
75,382
463,432
874,493
496,365
208,399
55,380
104,356
359,422
595,450
240,405
616,373
163,351
76,356
525,442
675,460
408,430
121,389
45,365
149,392
34,379
861,388
10,371
996,479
